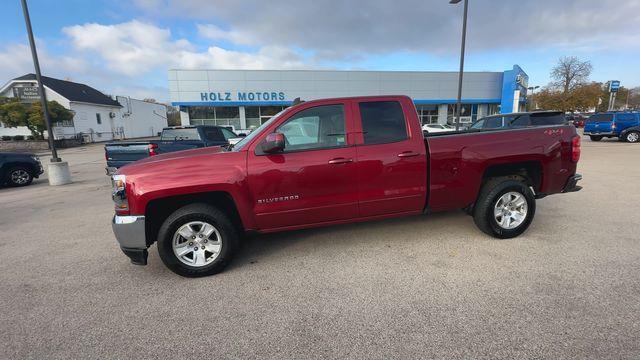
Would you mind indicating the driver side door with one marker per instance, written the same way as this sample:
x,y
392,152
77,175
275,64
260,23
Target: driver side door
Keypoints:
x,y
313,180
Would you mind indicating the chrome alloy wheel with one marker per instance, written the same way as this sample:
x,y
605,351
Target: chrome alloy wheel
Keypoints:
x,y
197,243
19,177
510,210
633,137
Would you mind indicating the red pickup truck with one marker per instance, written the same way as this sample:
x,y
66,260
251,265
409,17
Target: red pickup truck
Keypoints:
x,y
330,162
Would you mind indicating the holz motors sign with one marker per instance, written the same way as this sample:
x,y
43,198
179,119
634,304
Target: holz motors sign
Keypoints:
x,y
27,93
243,96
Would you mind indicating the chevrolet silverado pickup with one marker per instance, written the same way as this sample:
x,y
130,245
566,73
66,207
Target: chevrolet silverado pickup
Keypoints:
x,y
335,161
174,138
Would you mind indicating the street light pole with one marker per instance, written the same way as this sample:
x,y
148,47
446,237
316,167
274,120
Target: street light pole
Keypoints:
x,y
43,97
533,92
464,37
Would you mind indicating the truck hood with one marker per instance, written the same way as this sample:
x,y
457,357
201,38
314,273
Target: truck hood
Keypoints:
x,y
157,162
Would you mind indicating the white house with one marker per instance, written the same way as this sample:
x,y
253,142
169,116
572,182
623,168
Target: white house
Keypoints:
x,y
97,117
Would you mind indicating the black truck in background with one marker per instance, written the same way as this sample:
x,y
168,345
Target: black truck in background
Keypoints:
x,y
172,139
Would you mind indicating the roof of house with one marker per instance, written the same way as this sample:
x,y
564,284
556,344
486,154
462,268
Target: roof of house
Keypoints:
x,y
74,91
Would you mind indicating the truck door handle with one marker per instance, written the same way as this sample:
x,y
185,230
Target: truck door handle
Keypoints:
x,y
405,154
340,161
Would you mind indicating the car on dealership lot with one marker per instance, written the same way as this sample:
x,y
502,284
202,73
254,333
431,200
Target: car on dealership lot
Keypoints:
x,y
519,120
576,119
623,125
19,169
172,139
354,159
437,128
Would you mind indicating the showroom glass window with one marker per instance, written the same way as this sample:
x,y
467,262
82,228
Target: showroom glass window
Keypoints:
x,y
428,114
382,122
319,127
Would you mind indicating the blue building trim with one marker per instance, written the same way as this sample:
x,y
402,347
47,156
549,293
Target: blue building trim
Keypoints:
x,y
232,103
288,103
453,101
512,80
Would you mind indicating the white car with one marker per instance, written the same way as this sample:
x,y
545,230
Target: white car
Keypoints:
x,y
436,128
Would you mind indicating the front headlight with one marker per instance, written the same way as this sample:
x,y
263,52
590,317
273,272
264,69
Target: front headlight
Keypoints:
x,y
119,194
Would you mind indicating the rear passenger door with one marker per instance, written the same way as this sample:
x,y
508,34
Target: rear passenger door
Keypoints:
x,y
391,158
624,121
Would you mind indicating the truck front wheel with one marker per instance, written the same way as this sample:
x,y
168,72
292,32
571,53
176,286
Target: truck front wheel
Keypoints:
x,y
505,207
197,240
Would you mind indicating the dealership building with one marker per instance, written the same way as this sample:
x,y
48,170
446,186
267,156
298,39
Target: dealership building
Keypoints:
x,y
243,99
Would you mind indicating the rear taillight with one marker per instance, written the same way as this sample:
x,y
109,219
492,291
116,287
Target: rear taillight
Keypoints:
x,y
613,126
106,157
575,149
153,149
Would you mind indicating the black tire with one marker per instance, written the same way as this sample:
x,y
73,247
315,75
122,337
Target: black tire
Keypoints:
x,y
632,137
197,212
595,137
490,194
19,172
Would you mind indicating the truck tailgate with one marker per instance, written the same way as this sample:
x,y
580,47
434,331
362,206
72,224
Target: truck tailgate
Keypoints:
x,y
121,154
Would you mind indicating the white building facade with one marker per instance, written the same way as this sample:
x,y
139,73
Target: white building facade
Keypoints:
x,y
243,99
97,117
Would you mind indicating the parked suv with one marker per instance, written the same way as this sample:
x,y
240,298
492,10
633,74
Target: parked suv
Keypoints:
x,y
19,169
518,120
623,125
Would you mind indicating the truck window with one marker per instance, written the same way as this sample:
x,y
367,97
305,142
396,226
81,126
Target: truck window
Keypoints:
x,y
382,122
493,122
520,121
600,117
541,119
319,127
213,134
228,134
180,134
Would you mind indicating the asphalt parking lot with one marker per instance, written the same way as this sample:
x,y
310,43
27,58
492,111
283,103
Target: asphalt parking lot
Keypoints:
x,y
431,286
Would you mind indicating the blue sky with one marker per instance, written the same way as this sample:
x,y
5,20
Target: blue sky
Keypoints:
x,y
126,47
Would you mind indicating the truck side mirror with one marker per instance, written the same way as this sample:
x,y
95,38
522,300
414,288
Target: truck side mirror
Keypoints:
x,y
273,143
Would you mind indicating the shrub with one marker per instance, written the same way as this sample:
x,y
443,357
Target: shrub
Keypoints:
x,y
31,137
6,137
18,137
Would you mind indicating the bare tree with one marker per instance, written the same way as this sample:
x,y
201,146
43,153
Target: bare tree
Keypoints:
x,y
570,73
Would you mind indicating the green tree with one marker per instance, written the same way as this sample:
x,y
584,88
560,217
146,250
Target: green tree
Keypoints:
x,y
14,114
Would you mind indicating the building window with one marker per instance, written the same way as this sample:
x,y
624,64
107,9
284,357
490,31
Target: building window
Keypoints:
x,y
65,123
467,114
257,115
98,119
220,116
428,114
493,109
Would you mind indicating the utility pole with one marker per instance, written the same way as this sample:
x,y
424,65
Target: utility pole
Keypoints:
x,y
59,173
464,37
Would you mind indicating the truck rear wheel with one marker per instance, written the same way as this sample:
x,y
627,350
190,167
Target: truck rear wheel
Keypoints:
x,y
632,137
197,240
505,207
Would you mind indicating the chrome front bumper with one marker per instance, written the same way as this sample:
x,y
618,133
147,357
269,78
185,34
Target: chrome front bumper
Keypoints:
x,y
130,233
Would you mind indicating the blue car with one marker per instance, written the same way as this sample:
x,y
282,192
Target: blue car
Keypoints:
x,y
623,125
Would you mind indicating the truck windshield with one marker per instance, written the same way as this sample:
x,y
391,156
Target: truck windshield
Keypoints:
x,y
180,134
247,139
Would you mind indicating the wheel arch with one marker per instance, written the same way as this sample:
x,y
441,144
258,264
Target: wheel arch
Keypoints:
x,y
530,171
159,209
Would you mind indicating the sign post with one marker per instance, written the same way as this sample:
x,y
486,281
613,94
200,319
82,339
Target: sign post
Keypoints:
x,y
614,86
